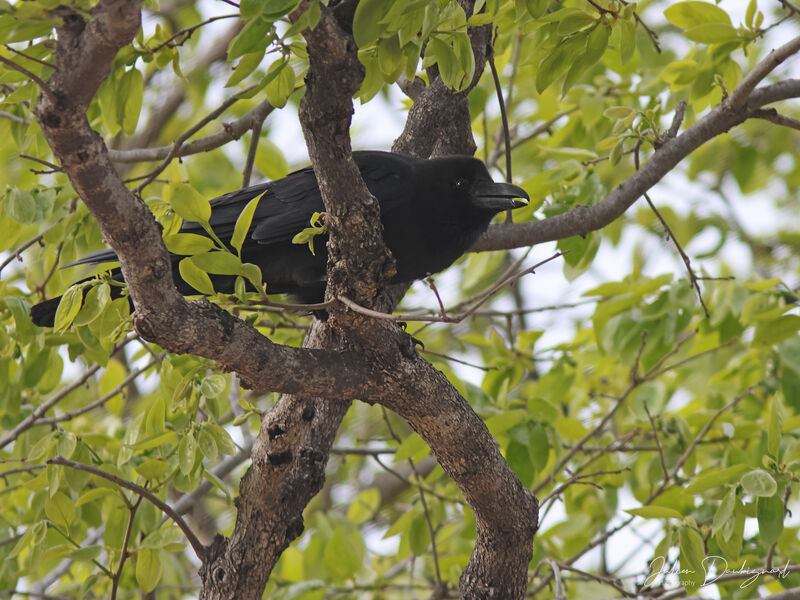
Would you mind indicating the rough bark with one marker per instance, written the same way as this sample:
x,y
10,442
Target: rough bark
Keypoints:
x,y
351,355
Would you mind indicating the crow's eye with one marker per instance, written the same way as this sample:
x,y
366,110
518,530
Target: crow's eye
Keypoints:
x,y
462,184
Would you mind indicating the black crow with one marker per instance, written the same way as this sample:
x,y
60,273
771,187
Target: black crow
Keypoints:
x,y
432,212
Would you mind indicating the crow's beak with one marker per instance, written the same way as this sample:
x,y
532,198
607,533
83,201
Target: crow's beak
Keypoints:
x,y
498,196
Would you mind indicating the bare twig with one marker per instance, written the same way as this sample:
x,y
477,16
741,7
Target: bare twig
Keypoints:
x,y
504,118
251,153
123,555
176,146
772,115
34,240
187,32
31,58
35,78
199,548
67,416
658,442
741,94
15,118
39,411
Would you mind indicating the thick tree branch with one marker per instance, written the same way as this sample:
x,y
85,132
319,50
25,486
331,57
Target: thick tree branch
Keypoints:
x,y
84,54
584,219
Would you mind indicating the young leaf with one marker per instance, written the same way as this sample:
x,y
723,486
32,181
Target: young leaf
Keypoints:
x,y
243,225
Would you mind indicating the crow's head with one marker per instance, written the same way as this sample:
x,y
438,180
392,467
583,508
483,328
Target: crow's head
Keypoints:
x,y
466,182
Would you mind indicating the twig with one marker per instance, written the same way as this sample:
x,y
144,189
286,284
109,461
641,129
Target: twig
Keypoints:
x,y
772,115
15,118
31,58
42,85
197,546
742,92
687,453
658,442
123,555
251,153
100,401
441,587
693,278
579,479
31,419
677,119
688,359
556,570
16,253
480,299
188,31
410,483
653,35
230,131
458,360
176,146
535,132
362,451
504,118
614,582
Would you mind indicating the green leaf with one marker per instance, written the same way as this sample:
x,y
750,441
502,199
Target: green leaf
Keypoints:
x,y
759,483
20,206
66,444
187,452
559,60
774,426
749,15
243,223
691,14
247,65
60,510
712,33
519,459
627,44
222,439
218,263
770,518
280,84
270,159
253,38
725,511
186,244
129,99
195,277
343,555
153,469
692,554
716,478
69,307
188,203
575,21
208,445
277,8
148,569
364,506
655,512
94,303
366,20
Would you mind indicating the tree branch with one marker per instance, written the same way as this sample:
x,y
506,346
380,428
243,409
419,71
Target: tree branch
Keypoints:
x,y
582,220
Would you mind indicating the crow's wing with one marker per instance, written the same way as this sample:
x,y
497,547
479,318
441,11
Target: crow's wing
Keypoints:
x,y
105,255
286,205
297,197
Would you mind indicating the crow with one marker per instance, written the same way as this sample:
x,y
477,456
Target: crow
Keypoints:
x,y
432,212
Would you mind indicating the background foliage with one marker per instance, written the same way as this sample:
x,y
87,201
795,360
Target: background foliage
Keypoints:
x,y
654,434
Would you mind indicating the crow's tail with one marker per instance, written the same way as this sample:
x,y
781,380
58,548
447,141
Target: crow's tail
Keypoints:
x,y
44,313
